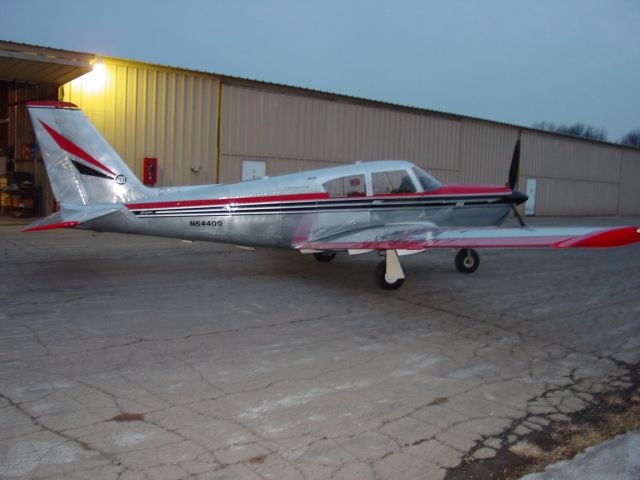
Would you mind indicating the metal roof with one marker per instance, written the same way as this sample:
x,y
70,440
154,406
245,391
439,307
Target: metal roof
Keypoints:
x,y
20,62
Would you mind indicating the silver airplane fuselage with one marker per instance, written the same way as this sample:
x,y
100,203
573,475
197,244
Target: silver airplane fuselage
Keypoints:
x,y
288,210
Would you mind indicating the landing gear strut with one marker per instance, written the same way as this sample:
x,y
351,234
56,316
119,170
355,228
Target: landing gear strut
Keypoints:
x,y
467,260
388,273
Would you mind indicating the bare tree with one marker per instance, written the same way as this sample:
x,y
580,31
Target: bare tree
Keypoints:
x,y
632,138
576,130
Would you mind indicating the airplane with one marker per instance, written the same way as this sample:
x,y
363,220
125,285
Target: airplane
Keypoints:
x,y
391,207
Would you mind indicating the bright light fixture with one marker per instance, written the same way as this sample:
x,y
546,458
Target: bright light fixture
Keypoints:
x,y
95,80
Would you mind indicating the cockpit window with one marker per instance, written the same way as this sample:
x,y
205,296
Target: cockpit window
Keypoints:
x,y
427,182
349,186
396,181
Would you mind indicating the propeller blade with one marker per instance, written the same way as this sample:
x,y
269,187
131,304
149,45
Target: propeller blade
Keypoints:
x,y
515,212
515,167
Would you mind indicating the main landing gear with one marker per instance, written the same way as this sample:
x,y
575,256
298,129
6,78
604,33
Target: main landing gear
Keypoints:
x,y
324,256
467,260
389,275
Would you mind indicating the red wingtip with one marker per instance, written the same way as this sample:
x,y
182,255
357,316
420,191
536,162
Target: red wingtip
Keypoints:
x,y
616,237
51,226
52,104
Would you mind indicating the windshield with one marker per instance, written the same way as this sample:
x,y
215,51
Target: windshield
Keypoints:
x,y
427,182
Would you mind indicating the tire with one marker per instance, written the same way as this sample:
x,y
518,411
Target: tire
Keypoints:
x,y
379,274
324,256
467,260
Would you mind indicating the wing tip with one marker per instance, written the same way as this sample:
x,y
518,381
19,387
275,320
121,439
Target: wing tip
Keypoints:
x,y
616,237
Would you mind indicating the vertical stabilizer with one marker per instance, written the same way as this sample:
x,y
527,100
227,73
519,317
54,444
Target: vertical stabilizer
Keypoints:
x,y
82,167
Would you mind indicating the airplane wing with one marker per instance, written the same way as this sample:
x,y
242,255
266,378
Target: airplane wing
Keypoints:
x,y
70,218
412,237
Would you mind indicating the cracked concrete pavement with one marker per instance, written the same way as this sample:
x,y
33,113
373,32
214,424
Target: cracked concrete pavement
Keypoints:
x,y
267,364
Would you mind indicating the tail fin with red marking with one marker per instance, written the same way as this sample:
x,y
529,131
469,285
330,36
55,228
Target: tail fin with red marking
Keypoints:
x,y
82,167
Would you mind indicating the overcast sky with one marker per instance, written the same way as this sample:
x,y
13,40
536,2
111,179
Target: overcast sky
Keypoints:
x,y
506,60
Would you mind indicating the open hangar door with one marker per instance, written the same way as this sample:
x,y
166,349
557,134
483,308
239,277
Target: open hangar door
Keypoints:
x,y
29,73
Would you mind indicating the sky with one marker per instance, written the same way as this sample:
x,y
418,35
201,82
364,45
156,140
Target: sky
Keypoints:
x,y
513,61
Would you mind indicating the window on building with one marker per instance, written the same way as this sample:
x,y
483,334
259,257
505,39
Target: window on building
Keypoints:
x,y
349,186
397,181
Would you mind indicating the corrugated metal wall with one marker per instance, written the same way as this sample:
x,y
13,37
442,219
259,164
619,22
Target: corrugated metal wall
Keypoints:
x,y
149,111
486,152
172,114
21,132
629,203
295,132
292,132
573,176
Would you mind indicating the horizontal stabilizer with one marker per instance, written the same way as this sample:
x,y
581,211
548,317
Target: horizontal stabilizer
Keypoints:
x,y
69,218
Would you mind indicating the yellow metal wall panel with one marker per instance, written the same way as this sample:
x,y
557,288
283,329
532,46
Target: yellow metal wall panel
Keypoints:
x,y
629,203
149,111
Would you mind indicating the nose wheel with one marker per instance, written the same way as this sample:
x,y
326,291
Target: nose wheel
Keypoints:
x,y
388,274
467,260
380,275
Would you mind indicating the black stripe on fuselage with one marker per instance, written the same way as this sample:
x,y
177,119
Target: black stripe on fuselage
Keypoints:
x,y
359,204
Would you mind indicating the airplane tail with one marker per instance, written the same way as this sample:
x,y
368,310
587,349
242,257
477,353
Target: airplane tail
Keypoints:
x,y
82,167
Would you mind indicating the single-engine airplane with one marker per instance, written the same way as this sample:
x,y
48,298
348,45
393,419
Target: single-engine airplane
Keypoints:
x,y
391,207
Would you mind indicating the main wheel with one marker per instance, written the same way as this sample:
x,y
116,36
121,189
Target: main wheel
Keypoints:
x,y
379,274
467,260
324,256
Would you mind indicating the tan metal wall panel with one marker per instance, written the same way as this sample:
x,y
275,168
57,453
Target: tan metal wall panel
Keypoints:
x,y
486,152
231,166
575,177
561,157
148,111
573,197
264,124
630,183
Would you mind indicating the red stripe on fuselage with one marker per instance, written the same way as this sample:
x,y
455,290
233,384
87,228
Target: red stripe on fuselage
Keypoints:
x,y
70,147
472,190
463,189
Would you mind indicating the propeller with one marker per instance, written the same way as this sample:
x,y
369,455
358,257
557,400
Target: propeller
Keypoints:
x,y
512,182
515,167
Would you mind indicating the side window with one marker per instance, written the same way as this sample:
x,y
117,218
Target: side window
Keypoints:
x,y
350,186
397,181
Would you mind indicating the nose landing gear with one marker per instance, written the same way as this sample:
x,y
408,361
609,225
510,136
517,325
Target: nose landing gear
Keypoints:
x,y
388,274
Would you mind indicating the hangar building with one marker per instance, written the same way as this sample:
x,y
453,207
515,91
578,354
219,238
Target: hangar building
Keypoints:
x,y
209,128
